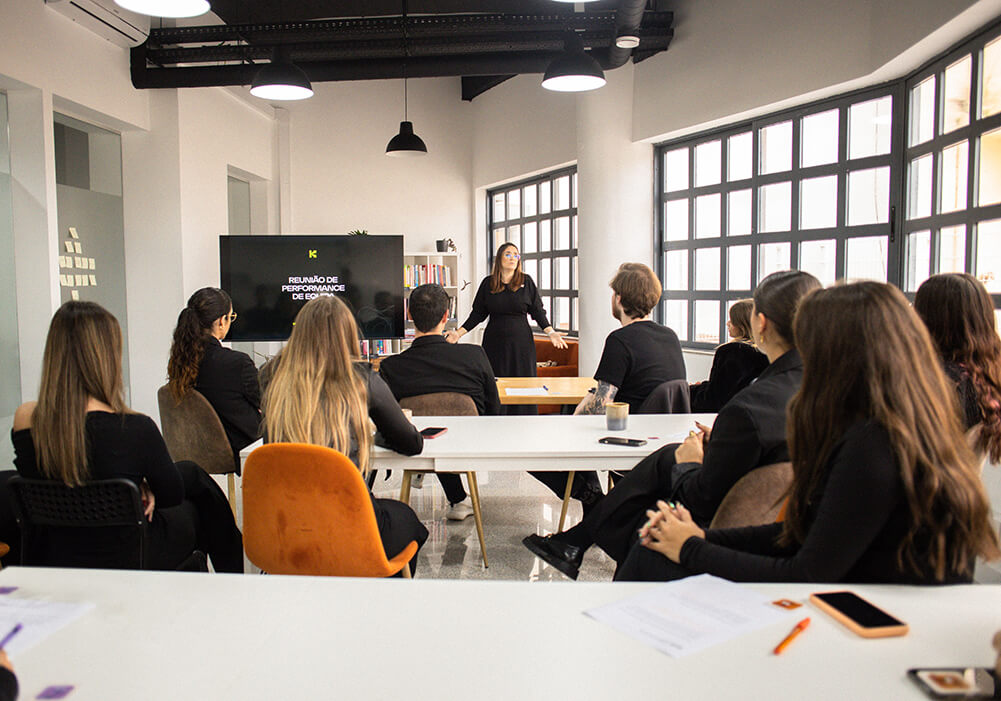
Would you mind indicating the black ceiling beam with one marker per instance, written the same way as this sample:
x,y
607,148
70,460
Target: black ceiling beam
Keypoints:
x,y
475,85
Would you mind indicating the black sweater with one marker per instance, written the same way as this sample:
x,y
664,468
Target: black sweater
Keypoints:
x,y
735,365
228,380
855,524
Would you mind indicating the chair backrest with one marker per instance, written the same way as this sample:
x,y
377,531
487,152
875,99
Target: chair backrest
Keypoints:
x,y
440,404
671,397
306,510
546,351
973,438
111,503
193,431
752,501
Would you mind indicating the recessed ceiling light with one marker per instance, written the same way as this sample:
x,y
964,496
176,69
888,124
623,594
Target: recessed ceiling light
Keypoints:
x,y
627,41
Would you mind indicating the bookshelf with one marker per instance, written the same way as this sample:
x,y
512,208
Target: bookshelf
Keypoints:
x,y
420,267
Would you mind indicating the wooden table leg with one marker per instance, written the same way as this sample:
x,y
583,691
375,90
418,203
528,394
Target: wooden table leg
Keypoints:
x,y
566,501
405,489
231,485
474,494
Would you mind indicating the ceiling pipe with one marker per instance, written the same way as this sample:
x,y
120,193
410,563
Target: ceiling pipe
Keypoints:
x,y
628,19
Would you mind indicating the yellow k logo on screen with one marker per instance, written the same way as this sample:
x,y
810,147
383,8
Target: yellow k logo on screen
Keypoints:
x,y
312,253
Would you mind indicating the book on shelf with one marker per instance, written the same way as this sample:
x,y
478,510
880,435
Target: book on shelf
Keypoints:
x,y
427,273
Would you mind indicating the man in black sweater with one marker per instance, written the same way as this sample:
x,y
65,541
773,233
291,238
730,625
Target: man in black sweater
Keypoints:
x,y
431,364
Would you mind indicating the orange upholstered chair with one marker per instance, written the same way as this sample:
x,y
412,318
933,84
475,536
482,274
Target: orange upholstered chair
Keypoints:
x,y
566,364
306,510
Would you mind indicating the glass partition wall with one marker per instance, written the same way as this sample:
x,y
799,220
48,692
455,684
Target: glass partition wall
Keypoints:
x,y
10,361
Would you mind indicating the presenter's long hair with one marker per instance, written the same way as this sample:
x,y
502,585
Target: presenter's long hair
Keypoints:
x,y
82,359
959,314
517,280
194,326
866,355
316,395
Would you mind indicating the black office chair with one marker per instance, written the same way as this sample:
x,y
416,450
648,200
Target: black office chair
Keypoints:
x,y
48,511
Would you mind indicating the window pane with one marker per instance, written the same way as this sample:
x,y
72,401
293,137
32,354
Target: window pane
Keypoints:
x,y
953,185
775,207
738,268
561,313
708,157
676,170
707,321
531,268
738,213
514,235
498,208
545,236
819,140
676,270
956,108
576,314
563,273
990,96
707,213
676,220
574,179
707,269
546,274
499,236
922,111
818,203
952,249
918,261
545,193
561,187
989,254
776,148
919,182
866,258
739,152
869,127
819,258
573,225
990,168
562,241
528,200
676,317
773,257
869,196
531,244
514,204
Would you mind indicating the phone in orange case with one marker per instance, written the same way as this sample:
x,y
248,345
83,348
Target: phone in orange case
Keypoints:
x,y
858,615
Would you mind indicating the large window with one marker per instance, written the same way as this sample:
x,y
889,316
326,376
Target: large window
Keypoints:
x,y
540,217
827,187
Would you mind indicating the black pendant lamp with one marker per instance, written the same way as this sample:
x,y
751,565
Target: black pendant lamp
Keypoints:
x,y
573,70
281,79
406,144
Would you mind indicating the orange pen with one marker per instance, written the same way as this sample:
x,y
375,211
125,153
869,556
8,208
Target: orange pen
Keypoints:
x,y
800,627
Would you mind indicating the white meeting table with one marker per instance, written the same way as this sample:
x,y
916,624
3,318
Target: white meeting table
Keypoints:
x,y
170,636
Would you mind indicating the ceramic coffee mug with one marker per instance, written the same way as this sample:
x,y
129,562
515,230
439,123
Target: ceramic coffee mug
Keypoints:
x,y
616,416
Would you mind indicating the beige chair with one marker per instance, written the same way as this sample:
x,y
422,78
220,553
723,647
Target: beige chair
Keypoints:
x,y
446,404
756,497
193,431
972,438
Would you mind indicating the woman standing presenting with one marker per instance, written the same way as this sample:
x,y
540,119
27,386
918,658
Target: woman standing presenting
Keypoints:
x,y
507,296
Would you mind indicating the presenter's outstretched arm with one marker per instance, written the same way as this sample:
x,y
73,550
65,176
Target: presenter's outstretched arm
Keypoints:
x,y
555,337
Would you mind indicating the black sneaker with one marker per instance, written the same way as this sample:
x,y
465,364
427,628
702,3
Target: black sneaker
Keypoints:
x,y
565,558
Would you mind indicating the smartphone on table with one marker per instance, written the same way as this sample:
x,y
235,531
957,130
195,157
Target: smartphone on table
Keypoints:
x,y
433,431
616,440
957,682
858,615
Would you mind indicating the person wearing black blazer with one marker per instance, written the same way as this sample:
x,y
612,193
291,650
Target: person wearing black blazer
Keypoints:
x,y
749,432
735,364
227,378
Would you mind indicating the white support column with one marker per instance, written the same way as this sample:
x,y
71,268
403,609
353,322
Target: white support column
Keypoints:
x,y
33,200
283,169
615,210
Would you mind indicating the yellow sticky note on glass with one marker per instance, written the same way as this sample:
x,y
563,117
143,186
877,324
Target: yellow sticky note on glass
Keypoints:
x,y
69,246
73,232
93,280
91,262
74,295
76,246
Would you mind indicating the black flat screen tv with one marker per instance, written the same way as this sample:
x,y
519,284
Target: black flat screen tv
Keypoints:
x,y
270,278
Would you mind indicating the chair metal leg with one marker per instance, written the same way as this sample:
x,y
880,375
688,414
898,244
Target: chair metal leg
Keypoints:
x,y
405,488
406,571
566,501
474,493
231,484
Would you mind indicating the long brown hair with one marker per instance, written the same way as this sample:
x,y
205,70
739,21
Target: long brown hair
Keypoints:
x,y
194,326
959,314
315,395
82,359
517,280
866,355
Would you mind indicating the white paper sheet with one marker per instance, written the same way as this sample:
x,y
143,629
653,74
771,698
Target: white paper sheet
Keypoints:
x,y
527,392
39,619
690,615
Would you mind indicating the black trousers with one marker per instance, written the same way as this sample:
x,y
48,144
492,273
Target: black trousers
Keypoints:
x,y
206,511
398,525
584,483
452,485
645,565
613,523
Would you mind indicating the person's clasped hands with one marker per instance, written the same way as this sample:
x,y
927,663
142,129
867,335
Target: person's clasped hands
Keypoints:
x,y
667,529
